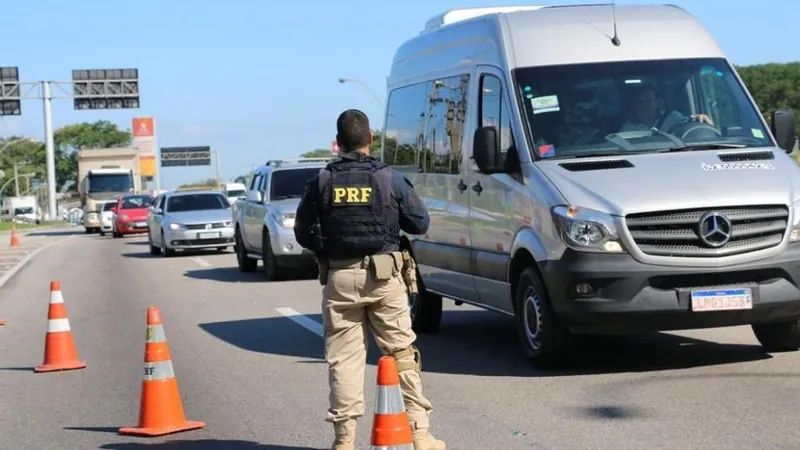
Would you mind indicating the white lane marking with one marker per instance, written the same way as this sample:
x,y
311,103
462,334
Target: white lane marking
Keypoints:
x,y
10,273
304,321
201,262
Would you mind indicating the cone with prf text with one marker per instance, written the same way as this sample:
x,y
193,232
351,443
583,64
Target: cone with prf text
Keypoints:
x,y
14,238
59,347
390,426
160,407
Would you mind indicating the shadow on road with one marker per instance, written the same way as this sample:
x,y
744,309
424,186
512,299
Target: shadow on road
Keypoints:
x,y
233,275
137,243
225,274
178,254
203,444
485,344
52,232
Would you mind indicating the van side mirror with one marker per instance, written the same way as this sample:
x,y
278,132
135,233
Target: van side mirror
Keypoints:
x,y
782,127
485,150
255,196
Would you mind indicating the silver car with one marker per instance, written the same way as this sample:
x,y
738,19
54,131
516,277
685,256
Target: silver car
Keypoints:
x,y
189,220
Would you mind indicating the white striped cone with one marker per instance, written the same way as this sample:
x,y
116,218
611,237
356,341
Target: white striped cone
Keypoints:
x,y
390,427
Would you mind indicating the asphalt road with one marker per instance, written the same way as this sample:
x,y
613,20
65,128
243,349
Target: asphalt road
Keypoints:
x,y
254,371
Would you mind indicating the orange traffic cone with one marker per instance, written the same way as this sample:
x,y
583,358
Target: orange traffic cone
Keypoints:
x,y
59,347
160,408
390,426
14,238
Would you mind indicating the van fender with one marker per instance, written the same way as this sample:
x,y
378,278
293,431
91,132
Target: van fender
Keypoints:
x,y
526,239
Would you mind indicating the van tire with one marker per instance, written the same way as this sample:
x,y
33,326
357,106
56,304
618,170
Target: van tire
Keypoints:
x,y
778,337
426,309
546,346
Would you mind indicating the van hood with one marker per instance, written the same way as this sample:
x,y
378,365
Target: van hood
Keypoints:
x,y
666,181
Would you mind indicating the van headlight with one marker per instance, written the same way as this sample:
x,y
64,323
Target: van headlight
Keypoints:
x,y
587,230
794,235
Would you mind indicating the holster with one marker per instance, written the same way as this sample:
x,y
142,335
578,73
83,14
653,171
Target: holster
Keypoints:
x,y
409,272
324,269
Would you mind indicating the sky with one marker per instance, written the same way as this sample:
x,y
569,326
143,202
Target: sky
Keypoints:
x,y
258,79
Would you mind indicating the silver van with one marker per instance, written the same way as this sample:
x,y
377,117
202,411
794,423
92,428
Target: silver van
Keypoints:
x,y
591,169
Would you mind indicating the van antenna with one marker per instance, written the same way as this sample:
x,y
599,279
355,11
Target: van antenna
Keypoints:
x,y
615,40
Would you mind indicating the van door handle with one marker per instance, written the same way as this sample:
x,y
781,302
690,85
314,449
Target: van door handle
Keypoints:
x,y
461,186
477,188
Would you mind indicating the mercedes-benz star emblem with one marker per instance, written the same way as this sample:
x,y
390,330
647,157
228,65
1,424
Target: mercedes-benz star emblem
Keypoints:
x,y
208,226
714,229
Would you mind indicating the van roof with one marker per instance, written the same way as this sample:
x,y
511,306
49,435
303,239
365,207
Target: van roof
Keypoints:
x,y
511,37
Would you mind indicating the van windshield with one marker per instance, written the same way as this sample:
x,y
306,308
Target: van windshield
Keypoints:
x,y
637,106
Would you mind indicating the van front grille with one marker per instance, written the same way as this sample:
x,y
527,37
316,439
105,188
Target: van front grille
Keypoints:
x,y
678,233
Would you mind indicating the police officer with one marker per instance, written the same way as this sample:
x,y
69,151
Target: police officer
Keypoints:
x,y
351,215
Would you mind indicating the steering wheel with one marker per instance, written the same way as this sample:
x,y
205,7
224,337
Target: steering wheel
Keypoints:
x,y
689,127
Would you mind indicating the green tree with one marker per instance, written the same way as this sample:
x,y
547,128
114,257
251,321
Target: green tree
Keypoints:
x,y
774,86
317,153
29,158
207,183
71,138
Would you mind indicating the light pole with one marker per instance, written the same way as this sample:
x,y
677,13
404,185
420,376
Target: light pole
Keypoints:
x,y
364,85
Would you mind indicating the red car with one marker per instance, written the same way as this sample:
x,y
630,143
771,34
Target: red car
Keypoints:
x,y
130,214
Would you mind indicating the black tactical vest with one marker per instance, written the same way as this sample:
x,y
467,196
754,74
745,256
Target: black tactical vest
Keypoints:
x,y
357,215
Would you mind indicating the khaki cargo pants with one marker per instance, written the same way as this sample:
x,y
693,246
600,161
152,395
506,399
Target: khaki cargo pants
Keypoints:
x,y
353,302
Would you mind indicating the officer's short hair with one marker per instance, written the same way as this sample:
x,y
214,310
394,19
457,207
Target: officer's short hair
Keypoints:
x,y
352,130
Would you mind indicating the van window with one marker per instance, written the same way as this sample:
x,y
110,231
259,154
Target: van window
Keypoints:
x,y
636,106
494,112
425,126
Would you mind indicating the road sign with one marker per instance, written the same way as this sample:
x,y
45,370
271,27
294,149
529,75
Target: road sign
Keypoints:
x,y
144,135
10,93
185,156
105,89
35,183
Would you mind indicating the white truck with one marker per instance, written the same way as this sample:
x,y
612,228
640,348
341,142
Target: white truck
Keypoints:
x,y
104,174
25,208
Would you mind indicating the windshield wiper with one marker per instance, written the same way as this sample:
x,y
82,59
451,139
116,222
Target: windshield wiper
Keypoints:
x,y
703,146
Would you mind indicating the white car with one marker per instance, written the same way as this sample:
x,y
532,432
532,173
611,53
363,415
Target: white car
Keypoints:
x,y
107,218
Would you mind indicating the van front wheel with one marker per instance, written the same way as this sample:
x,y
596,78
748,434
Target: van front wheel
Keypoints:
x,y
778,337
545,340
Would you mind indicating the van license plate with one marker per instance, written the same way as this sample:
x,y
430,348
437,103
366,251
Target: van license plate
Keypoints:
x,y
208,235
722,300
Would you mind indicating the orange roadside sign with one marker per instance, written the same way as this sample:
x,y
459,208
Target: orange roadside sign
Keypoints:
x,y
143,127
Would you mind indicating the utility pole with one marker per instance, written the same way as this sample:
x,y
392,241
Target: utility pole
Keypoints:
x,y
216,165
91,90
16,180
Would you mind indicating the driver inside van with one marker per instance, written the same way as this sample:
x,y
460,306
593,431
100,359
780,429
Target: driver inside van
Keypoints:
x,y
647,114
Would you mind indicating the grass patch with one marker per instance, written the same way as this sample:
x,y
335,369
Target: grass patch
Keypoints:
x,y
6,226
